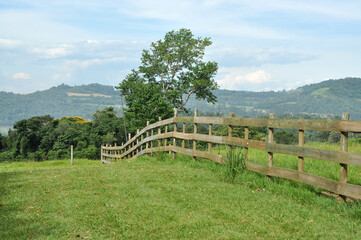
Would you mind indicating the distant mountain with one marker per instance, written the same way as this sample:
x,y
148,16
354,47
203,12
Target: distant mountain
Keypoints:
x,y
332,97
328,97
58,102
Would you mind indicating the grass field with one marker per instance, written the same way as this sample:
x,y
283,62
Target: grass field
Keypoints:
x,y
158,198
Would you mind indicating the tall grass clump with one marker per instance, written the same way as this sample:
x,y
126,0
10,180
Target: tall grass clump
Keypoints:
x,y
234,164
160,155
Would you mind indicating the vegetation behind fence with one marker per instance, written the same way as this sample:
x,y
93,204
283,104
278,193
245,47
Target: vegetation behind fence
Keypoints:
x,y
158,137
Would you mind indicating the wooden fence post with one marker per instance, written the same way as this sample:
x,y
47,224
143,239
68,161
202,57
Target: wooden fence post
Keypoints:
x,y
129,145
122,150
166,139
151,142
101,153
159,132
230,130
184,131
71,155
147,135
246,137
344,148
137,141
301,142
210,134
195,132
270,140
174,138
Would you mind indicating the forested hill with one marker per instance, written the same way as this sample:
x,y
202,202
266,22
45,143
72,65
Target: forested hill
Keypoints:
x,y
58,102
328,97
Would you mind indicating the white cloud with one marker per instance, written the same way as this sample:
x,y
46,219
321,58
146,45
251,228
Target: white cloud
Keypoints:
x,y
53,52
94,61
9,43
236,56
21,76
237,79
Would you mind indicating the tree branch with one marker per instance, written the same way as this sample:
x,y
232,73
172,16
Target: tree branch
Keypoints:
x,y
187,98
173,74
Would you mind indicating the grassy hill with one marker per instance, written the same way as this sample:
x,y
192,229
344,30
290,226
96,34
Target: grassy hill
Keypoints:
x,y
328,97
151,198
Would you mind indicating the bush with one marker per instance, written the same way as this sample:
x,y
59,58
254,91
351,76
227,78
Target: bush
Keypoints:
x,y
37,156
6,156
92,152
58,154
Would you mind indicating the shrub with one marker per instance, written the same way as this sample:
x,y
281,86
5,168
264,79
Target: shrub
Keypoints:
x,y
6,156
91,152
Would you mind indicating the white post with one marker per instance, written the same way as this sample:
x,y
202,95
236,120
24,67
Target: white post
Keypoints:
x,y
71,155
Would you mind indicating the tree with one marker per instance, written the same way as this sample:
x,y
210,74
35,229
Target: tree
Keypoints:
x,y
144,101
105,121
2,142
171,70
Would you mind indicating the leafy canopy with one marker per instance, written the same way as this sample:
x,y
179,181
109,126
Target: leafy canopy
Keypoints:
x,y
171,71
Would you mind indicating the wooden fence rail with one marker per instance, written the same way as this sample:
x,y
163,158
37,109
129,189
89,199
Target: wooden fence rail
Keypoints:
x,y
147,142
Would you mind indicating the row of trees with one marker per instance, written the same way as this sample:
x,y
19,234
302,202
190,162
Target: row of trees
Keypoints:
x,y
43,137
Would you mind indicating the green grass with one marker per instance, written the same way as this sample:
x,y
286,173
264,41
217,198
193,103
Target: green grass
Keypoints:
x,y
163,199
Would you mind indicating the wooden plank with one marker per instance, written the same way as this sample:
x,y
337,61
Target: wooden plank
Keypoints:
x,y
350,126
299,124
208,120
184,119
223,140
201,154
251,122
107,162
256,167
305,124
345,189
316,153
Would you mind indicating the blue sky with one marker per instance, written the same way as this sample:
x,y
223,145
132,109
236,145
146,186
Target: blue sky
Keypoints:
x,y
259,45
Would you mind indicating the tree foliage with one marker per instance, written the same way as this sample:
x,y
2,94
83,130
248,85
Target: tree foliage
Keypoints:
x,y
170,72
285,137
42,137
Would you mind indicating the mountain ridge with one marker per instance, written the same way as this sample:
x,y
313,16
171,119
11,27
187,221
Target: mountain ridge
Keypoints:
x,y
328,97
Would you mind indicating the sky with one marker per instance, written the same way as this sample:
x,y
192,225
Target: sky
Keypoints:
x,y
259,45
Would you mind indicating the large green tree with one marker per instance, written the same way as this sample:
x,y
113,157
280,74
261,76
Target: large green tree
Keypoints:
x,y
171,70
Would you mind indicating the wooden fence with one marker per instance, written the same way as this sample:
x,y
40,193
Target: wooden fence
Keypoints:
x,y
156,137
